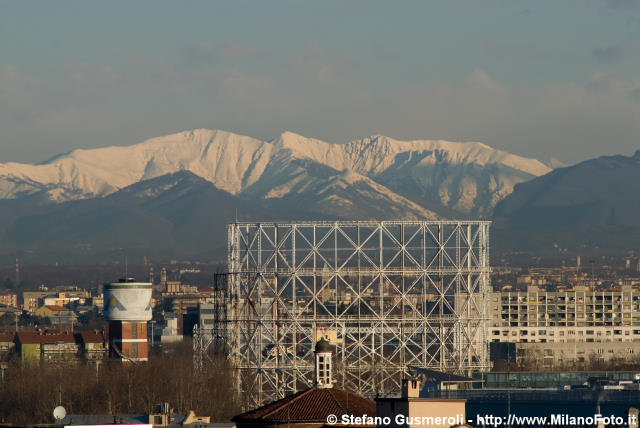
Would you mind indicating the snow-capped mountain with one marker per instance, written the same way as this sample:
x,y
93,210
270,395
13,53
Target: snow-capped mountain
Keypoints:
x,y
418,178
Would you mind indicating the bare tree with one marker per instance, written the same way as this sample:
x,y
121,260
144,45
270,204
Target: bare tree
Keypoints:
x,y
29,393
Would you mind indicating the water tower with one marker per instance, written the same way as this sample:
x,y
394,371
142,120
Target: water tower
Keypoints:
x,y
127,308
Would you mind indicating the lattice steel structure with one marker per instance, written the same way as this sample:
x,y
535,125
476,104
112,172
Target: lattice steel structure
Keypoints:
x,y
389,295
207,338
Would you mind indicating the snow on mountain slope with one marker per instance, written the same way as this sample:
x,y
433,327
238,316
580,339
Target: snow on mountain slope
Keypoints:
x,y
468,178
375,154
223,158
351,195
451,177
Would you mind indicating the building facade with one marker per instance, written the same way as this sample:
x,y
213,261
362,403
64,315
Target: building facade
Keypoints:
x,y
537,315
556,328
60,347
9,299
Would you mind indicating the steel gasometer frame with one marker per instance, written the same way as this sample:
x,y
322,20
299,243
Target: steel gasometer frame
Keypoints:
x,y
387,294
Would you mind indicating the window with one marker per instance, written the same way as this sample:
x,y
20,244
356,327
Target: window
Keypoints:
x,y
600,350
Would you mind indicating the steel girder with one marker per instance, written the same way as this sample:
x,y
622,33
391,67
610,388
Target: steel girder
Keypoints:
x,y
389,295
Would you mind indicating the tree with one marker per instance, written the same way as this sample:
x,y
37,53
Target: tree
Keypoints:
x,y
30,393
92,320
27,319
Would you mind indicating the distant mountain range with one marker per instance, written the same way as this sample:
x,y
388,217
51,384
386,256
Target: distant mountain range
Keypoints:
x,y
171,196
175,214
419,178
591,207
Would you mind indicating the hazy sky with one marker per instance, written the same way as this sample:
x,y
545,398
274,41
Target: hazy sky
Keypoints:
x,y
537,78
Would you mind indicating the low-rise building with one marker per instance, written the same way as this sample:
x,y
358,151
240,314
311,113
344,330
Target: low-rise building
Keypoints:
x,y
161,416
181,302
98,301
9,299
411,410
551,355
32,300
6,344
167,331
58,315
94,344
60,347
63,295
34,346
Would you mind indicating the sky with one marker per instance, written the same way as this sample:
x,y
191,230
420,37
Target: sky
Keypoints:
x,y
536,78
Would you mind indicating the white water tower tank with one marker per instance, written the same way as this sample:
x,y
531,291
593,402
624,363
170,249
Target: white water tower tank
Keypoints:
x,y
127,300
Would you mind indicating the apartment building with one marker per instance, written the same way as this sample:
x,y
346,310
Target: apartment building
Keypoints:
x,y
584,315
561,327
9,299
59,347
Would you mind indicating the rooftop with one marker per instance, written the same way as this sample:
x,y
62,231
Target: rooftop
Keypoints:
x,y
311,405
88,336
39,337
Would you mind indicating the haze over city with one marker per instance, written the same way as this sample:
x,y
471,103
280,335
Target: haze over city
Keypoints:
x,y
539,79
286,214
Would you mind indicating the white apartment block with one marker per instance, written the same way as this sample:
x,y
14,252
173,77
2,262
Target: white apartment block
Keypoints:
x,y
579,315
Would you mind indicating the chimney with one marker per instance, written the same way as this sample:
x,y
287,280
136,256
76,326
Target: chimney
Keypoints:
x,y
323,362
410,388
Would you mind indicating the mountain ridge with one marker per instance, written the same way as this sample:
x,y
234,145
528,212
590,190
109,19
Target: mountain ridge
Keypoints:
x,y
588,206
465,178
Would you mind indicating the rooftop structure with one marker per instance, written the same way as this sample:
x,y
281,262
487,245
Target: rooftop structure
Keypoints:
x,y
415,411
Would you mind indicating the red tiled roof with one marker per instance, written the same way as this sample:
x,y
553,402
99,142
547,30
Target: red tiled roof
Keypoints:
x,y
90,336
86,336
36,337
311,405
55,308
6,336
